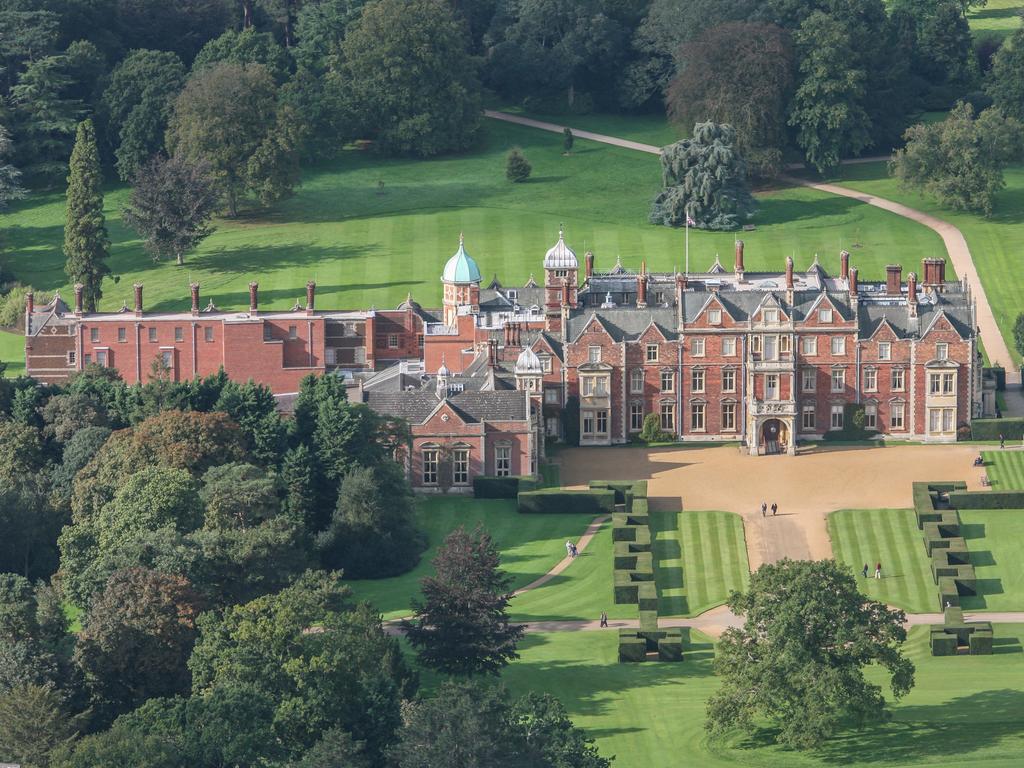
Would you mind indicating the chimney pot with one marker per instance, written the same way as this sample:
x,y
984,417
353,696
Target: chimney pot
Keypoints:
x,y
894,279
79,289
641,290
853,281
739,258
789,273
254,288
912,293
844,264
589,262
194,288
30,303
310,297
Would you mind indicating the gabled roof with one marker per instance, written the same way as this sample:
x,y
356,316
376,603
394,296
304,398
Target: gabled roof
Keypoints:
x,y
472,407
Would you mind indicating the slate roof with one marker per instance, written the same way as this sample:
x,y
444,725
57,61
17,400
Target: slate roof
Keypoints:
x,y
473,407
626,323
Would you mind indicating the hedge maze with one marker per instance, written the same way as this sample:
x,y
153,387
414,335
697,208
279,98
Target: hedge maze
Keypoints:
x,y
634,575
936,507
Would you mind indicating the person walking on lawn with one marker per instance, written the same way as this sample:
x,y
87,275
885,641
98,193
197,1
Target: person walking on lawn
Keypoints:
x,y
865,570
764,509
775,509
878,570
604,619
1002,440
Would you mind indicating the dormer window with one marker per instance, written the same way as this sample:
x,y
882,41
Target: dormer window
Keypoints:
x,y
715,316
824,315
512,294
771,315
942,351
593,354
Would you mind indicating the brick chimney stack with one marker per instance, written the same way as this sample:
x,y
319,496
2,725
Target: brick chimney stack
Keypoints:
x,y
934,273
641,286
789,273
194,287
912,293
30,303
254,306
310,297
79,288
894,279
738,266
565,292
137,287
844,264
588,261
853,282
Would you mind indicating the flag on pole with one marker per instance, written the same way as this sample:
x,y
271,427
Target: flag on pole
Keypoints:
x,y
690,222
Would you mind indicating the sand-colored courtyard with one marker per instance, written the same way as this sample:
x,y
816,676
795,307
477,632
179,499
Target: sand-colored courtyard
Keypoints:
x,y
806,487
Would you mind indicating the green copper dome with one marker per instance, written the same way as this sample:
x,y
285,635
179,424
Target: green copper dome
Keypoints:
x,y
461,268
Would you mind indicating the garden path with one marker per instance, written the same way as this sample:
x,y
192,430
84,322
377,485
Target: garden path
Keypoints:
x,y
953,238
565,562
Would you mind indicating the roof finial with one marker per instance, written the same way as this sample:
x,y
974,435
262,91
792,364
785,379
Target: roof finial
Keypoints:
x,y
408,298
461,239
561,231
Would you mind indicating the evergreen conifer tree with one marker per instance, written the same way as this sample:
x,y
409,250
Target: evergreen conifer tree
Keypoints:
x,y
85,233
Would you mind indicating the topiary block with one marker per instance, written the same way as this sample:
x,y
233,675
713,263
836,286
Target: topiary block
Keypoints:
x,y
980,642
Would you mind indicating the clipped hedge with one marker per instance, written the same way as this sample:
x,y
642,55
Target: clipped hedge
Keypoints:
x,y
647,596
560,501
986,499
670,647
943,644
489,487
980,642
632,647
990,429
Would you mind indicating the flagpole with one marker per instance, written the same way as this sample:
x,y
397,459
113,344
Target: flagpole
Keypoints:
x,y
687,264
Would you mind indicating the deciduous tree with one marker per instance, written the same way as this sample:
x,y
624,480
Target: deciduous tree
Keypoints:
x,y
462,627
960,161
86,243
705,179
171,205
1005,83
799,658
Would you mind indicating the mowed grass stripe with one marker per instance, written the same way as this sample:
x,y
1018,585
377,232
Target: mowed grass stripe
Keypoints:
x,y
714,562
891,537
1005,469
694,560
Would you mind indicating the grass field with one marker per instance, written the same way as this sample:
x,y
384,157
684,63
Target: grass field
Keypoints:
x,y
700,557
994,539
12,352
1005,469
530,546
963,711
996,18
648,128
889,536
365,248
996,243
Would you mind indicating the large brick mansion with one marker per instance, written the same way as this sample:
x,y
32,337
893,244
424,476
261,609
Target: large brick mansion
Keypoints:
x,y
763,358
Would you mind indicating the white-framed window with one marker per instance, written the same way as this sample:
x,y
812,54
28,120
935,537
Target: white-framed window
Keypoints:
x,y
122,335
808,379
697,380
825,315
430,466
636,380
771,386
896,411
771,347
837,417
838,345
102,357
392,340
72,357
948,380
948,419
897,379
602,422
179,333
152,334
167,358
293,332
934,419
551,396
512,293
885,350
593,354
697,348
595,386
870,380
460,466
784,344
728,380
838,379
668,381
208,333
652,353
668,416
755,344
771,316
934,383
545,363
588,422
808,417
715,316
809,345
729,346
94,334
942,351
728,417
502,460
697,412
636,417
870,416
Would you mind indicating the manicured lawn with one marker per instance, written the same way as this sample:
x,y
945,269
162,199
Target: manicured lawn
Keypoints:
x,y
996,243
648,128
12,352
963,711
994,539
530,546
1005,469
365,248
700,558
997,18
889,536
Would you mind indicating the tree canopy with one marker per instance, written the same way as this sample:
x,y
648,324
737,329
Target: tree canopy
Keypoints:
x,y
799,658
86,243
